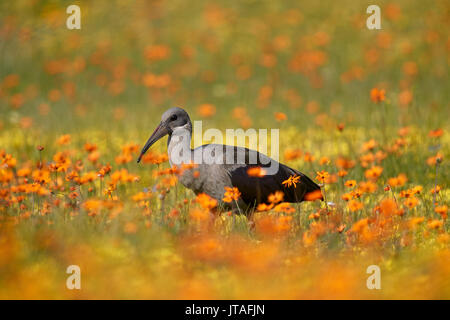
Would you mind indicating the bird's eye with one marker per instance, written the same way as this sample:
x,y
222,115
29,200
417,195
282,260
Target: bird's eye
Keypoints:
x,y
173,118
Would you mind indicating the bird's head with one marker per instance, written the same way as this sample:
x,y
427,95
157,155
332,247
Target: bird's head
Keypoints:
x,y
170,120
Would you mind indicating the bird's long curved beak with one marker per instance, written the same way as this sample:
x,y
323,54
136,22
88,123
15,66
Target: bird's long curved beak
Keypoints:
x,y
160,131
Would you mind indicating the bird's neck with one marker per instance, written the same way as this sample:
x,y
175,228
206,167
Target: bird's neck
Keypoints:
x,y
179,146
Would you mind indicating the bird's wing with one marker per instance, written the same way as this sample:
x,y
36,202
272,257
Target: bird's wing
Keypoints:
x,y
257,189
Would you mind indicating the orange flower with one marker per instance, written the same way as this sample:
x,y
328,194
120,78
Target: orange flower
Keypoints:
x,y
26,122
367,186
355,205
314,215
435,190
324,160
314,195
256,172
62,161
442,210
436,133
17,100
380,156
93,206
322,176
342,173
405,98
360,225
292,154
9,161
239,113
273,226
153,158
414,222
377,95
123,158
292,180
64,139
435,224
280,116
88,177
398,181
130,228
276,197
24,172
264,207
403,131
206,201
156,81
141,196
347,196
388,207
72,176
206,110
417,190
374,172
93,156
350,183
393,11
90,147
231,194
308,157
199,215
104,170
265,94
41,176
169,181
411,202
130,148
156,52
369,145
11,81
366,159
284,207
344,163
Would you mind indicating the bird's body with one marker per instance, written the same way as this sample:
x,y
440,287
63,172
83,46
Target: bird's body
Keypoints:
x,y
219,166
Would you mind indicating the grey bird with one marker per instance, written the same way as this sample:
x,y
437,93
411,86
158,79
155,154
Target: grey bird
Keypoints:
x,y
219,166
